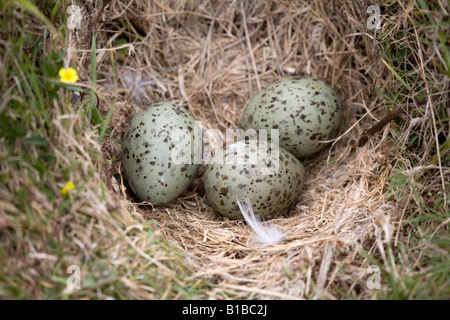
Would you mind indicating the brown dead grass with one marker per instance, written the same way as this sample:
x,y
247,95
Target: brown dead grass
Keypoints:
x,y
213,56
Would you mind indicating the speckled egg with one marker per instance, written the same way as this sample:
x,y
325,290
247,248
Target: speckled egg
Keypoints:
x,y
269,176
157,152
304,110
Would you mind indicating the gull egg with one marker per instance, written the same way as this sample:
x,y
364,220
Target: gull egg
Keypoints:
x,y
269,176
158,152
306,112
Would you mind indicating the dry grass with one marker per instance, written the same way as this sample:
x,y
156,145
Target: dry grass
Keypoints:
x,y
358,204
213,58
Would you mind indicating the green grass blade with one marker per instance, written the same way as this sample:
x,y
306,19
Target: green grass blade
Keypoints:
x,y
94,113
385,95
403,82
92,98
445,51
108,117
31,8
106,123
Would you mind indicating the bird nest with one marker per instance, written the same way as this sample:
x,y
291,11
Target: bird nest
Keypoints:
x,y
212,57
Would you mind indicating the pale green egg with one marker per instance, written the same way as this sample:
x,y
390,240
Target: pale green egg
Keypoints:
x,y
306,112
158,152
269,176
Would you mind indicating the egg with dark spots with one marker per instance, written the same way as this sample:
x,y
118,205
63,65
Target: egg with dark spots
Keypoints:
x,y
269,176
158,152
306,112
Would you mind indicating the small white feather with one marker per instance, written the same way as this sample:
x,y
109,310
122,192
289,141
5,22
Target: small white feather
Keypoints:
x,y
266,235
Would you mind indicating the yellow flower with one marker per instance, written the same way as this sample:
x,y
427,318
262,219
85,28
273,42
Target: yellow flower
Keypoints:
x,y
69,75
69,186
